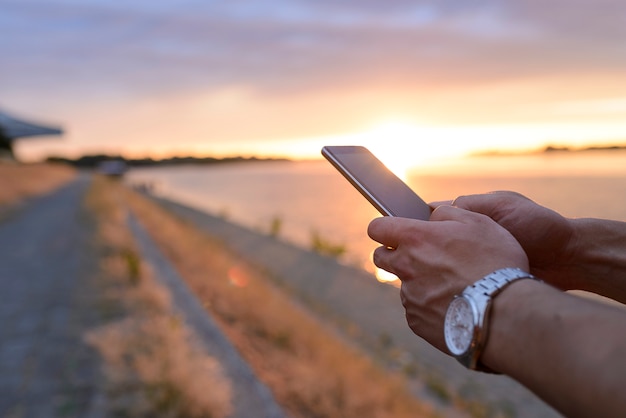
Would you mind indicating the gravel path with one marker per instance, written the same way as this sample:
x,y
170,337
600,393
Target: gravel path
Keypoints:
x,y
46,370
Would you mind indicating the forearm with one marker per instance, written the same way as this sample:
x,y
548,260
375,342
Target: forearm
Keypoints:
x,y
599,257
568,351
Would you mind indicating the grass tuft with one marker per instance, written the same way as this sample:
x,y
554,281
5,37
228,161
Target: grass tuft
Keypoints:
x,y
276,225
323,246
437,387
133,263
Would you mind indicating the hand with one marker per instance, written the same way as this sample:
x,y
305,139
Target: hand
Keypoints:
x,y
545,235
437,259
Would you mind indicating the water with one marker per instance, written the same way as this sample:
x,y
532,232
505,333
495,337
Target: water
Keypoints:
x,y
311,197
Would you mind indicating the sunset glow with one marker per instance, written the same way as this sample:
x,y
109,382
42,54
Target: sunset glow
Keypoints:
x,y
277,78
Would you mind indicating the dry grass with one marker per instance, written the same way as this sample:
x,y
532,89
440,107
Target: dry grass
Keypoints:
x,y
312,372
151,365
19,181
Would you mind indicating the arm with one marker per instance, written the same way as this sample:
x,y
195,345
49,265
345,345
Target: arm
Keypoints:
x,y
599,257
567,350
585,254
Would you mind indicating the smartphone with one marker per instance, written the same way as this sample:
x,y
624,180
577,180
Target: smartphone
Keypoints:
x,y
383,189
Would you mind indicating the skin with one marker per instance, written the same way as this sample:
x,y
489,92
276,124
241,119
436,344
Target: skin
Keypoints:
x,y
550,341
584,254
436,260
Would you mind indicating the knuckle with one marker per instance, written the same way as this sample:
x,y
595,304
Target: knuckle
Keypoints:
x,y
458,202
442,212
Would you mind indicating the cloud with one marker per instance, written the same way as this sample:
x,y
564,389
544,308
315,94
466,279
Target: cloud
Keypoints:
x,y
324,56
293,46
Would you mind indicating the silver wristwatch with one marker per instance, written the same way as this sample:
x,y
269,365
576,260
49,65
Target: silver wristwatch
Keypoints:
x,y
466,323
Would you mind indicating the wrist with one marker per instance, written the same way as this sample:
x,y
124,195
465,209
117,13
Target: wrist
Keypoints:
x,y
509,314
597,257
467,320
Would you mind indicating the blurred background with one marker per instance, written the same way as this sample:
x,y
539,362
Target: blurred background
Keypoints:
x,y
444,89
225,105
278,77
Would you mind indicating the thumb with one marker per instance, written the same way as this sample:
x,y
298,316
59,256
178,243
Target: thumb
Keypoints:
x,y
491,204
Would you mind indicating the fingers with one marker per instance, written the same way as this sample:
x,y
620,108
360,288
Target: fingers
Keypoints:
x,y
488,204
389,230
482,203
399,236
453,213
438,203
383,258
392,233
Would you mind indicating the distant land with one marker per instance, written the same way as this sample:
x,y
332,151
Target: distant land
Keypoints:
x,y
553,148
92,161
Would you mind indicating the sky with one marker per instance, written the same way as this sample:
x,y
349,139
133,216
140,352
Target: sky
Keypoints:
x,y
284,77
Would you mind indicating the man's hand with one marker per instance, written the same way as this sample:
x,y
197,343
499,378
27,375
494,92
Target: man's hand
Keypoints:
x,y
547,237
437,259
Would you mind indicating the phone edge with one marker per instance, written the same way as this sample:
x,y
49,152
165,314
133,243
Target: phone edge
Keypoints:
x,y
355,183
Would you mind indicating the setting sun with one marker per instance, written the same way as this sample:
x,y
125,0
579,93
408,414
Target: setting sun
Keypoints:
x,y
399,145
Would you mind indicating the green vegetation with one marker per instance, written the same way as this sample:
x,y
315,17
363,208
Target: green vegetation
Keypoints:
x,y
322,246
276,225
438,387
133,262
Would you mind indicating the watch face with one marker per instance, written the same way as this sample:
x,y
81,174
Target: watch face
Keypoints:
x,y
459,326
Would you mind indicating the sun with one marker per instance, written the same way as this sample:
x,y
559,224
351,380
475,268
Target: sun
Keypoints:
x,y
401,145
398,145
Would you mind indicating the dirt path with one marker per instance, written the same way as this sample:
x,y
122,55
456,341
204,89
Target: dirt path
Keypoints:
x,y
46,369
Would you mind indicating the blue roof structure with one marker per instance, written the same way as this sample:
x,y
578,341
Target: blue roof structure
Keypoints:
x,y
12,128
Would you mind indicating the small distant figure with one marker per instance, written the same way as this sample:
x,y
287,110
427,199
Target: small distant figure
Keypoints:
x,y
113,168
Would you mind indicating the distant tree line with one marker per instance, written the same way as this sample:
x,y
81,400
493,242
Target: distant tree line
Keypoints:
x,y
552,148
92,161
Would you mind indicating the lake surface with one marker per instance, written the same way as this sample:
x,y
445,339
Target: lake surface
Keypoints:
x,y
311,197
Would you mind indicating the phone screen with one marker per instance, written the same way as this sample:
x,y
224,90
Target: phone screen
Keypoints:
x,y
383,189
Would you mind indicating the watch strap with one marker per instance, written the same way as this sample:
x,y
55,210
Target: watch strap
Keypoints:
x,y
495,282
483,292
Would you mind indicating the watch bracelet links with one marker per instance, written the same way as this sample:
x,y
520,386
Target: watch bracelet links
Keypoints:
x,y
489,287
495,282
